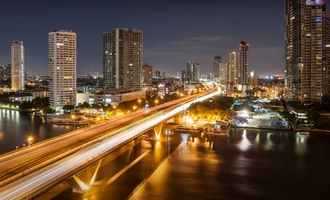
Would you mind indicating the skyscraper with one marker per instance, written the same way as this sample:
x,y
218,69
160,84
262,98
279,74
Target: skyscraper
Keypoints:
x,y
233,68
243,63
5,71
192,72
147,75
17,65
123,59
216,67
62,63
307,50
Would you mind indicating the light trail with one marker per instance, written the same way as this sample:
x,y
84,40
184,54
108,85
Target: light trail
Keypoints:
x,y
123,171
33,183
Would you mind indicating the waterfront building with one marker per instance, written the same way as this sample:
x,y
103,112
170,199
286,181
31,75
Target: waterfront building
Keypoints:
x,y
307,50
5,73
243,64
62,63
17,65
233,68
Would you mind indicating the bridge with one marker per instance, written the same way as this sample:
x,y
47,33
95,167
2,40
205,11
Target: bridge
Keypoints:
x,y
29,171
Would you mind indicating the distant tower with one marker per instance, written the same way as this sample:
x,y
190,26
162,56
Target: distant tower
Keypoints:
x,y
192,72
147,75
216,67
123,59
17,65
233,68
62,63
243,63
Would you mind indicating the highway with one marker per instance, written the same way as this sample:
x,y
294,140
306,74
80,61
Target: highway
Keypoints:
x,y
81,147
16,164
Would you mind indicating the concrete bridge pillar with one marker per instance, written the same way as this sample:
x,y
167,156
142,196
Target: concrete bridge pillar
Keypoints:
x,y
158,130
83,186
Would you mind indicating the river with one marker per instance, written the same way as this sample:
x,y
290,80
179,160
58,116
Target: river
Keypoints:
x,y
16,127
247,164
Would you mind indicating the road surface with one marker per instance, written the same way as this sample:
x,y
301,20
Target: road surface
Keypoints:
x,y
47,172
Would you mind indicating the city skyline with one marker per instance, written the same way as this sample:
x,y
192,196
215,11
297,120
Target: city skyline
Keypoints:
x,y
167,99
171,49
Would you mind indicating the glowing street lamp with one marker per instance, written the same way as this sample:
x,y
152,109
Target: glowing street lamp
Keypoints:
x,y
30,140
135,107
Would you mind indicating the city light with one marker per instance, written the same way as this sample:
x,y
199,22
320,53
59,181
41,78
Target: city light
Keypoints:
x,y
30,140
161,109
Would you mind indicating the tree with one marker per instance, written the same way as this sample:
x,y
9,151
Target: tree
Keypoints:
x,y
68,108
41,103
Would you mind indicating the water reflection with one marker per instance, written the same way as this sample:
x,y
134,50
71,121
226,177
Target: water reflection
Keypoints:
x,y
16,128
246,164
301,143
244,144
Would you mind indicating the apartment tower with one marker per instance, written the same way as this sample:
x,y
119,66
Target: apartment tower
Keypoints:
x,y
17,65
62,64
123,59
307,50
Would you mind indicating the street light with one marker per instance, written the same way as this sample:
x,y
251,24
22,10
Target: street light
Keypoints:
x,y
30,140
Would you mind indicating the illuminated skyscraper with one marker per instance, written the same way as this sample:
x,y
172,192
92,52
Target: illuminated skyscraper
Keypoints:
x,y
216,67
233,68
147,75
17,65
307,50
62,63
192,72
123,59
243,63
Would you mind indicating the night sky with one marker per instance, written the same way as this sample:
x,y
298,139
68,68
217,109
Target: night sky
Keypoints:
x,y
175,31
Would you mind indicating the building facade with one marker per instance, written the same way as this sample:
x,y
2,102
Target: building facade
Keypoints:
x,y
62,64
17,65
217,61
123,59
147,75
307,50
5,71
233,68
192,72
243,63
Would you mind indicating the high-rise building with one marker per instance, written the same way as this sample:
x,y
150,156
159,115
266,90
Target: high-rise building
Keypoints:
x,y
243,63
123,59
327,54
158,74
192,72
147,75
62,63
183,76
233,68
216,67
17,65
5,72
307,50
